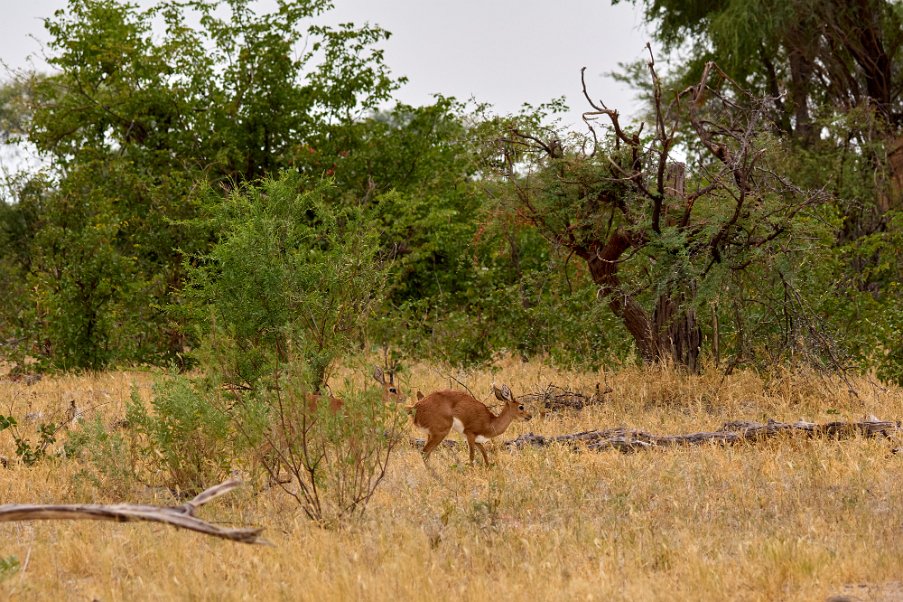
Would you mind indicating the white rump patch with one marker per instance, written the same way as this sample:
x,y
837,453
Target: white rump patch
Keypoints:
x,y
457,425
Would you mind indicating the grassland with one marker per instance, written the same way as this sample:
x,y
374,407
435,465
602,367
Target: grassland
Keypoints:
x,y
788,519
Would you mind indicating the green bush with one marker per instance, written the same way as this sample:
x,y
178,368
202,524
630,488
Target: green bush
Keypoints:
x,y
186,436
283,294
182,440
110,457
291,277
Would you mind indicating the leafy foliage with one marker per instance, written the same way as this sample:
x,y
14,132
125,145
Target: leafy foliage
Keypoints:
x,y
829,76
290,277
283,294
8,567
662,240
30,453
161,230
135,123
186,434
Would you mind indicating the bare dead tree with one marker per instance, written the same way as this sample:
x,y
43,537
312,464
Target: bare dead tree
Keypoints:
x,y
628,208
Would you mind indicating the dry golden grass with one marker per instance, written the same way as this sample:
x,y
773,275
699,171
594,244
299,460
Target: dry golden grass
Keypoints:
x,y
788,519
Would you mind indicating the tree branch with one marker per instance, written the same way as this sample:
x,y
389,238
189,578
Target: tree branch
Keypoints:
x,y
181,517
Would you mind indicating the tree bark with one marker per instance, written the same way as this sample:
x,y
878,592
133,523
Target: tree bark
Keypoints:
x,y
669,334
627,440
603,267
894,198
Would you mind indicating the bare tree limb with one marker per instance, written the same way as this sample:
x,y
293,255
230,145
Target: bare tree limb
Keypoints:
x,y
181,517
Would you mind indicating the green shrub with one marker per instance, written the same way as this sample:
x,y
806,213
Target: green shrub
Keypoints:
x,y
290,277
110,457
186,437
284,293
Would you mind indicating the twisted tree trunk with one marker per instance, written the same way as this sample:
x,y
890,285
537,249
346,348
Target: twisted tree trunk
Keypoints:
x,y
603,268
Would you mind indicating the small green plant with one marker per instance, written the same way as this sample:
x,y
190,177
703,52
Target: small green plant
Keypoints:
x,y
30,453
108,455
9,566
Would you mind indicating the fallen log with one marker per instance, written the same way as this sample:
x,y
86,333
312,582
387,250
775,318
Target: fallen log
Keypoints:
x,y
181,517
628,440
555,398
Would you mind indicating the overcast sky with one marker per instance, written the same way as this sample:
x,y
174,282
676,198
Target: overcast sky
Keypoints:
x,y
504,52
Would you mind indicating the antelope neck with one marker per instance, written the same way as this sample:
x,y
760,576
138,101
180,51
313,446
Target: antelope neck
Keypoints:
x,y
500,423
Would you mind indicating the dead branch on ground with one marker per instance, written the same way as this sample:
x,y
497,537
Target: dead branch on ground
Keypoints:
x,y
555,398
628,440
181,517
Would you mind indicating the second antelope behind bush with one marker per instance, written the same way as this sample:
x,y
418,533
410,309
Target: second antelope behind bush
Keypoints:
x,y
440,412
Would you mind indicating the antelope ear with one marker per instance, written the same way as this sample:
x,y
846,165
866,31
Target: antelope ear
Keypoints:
x,y
419,395
503,394
378,375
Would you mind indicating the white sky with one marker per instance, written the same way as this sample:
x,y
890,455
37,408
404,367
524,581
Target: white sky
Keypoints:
x,y
504,52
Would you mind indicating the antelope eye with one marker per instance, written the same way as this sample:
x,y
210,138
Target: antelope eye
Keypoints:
x,y
393,390
521,408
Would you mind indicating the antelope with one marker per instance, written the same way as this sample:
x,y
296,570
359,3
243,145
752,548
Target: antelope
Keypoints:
x,y
440,412
390,392
313,400
335,405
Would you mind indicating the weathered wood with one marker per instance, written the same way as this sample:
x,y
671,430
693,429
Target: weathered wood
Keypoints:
x,y
628,440
181,517
555,398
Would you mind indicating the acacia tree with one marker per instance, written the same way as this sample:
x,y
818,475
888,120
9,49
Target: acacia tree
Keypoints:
x,y
660,240
833,74
811,57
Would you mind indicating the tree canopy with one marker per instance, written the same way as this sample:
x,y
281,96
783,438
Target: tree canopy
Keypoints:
x,y
214,171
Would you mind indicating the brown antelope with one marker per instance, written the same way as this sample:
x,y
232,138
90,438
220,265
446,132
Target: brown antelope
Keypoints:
x,y
335,405
440,412
390,392
313,400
